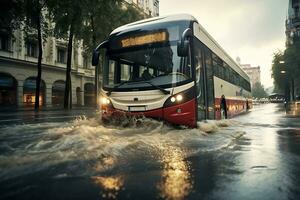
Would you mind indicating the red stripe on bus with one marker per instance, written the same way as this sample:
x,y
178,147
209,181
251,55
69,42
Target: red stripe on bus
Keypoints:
x,y
234,107
181,114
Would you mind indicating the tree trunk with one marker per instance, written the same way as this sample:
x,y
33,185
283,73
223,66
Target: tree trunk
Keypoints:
x,y
293,89
70,96
39,65
96,67
287,91
67,102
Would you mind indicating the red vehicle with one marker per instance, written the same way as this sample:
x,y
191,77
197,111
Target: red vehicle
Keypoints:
x,y
170,68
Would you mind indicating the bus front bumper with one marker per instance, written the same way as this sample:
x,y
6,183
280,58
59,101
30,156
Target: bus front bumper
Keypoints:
x,y
181,114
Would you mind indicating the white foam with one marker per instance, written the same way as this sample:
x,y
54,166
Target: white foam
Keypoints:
x,y
88,139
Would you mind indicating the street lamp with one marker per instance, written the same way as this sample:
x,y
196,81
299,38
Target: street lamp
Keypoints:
x,y
282,71
281,62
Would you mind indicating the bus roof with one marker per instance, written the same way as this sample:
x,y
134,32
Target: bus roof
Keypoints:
x,y
210,42
154,20
214,46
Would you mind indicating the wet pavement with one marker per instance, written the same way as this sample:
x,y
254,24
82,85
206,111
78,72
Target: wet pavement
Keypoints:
x,y
73,155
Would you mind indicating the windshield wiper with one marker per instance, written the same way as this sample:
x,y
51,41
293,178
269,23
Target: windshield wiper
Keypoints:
x,y
157,87
122,83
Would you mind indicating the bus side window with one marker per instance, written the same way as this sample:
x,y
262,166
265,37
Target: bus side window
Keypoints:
x,y
198,66
112,66
189,64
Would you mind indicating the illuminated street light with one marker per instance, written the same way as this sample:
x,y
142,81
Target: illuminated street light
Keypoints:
x,y
282,72
281,62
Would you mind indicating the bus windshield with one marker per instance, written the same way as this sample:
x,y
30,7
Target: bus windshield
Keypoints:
x,y
157,64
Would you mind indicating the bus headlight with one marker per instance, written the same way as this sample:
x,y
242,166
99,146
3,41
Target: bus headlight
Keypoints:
x,y
104,101
173,99
179,97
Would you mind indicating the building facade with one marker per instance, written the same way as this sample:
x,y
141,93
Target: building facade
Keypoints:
x,y
149,7
293,21
18,71
253,73
293,34
18,67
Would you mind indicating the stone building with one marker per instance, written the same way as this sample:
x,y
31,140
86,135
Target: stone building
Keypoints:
x,y
18,70
293,34
293,21
149,7
253,73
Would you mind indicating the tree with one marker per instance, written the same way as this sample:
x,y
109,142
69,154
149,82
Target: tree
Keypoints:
x,y
258,91
101,17
67,16
286,69
89,20
35,19
11,15
292,64
277,68
14,14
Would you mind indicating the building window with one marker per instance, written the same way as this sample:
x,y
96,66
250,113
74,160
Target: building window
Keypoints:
x,y
61,55
32,49
4,42
141,4
156,7
29,88
85,62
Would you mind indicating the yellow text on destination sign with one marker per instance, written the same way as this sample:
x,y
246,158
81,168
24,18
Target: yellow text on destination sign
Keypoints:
x,y
144,39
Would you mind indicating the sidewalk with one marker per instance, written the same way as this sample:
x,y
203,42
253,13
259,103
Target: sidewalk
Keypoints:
x,y
12,116
14,109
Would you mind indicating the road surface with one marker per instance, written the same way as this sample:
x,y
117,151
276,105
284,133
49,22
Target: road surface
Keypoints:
x,y
58,155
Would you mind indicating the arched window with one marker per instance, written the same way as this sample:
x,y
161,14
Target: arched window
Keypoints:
x,y
78,96
29,88
58,92
89,95
8,90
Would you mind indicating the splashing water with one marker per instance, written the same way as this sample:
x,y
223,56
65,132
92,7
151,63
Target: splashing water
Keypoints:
x,y
88,147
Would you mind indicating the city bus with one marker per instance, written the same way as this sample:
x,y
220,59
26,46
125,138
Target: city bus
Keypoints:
x,y
169,68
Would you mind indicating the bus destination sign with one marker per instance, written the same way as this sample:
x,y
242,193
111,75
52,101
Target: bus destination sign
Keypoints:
x,y
144,39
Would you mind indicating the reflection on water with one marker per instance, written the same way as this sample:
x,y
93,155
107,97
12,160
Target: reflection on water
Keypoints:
x,y
104,164
252,156
176,183
111,185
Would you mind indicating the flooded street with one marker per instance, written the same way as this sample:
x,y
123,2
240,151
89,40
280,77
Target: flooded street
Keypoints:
x,y
253,156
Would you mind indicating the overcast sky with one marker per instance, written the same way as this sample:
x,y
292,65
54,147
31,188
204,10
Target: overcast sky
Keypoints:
x,y
250,29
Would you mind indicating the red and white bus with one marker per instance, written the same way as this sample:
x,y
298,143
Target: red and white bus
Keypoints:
x,y
169,68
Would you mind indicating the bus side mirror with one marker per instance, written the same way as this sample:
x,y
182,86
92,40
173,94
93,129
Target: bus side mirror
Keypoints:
x,y
96,52
95,58
183,44
183,48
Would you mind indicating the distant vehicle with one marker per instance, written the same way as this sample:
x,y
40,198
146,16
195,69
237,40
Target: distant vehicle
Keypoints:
x,y
169,68
276,98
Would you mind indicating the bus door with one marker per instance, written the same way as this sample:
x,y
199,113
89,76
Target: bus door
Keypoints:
x,y
200,80
209,85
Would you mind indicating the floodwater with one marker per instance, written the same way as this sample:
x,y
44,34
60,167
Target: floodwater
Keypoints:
x,y
253,156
